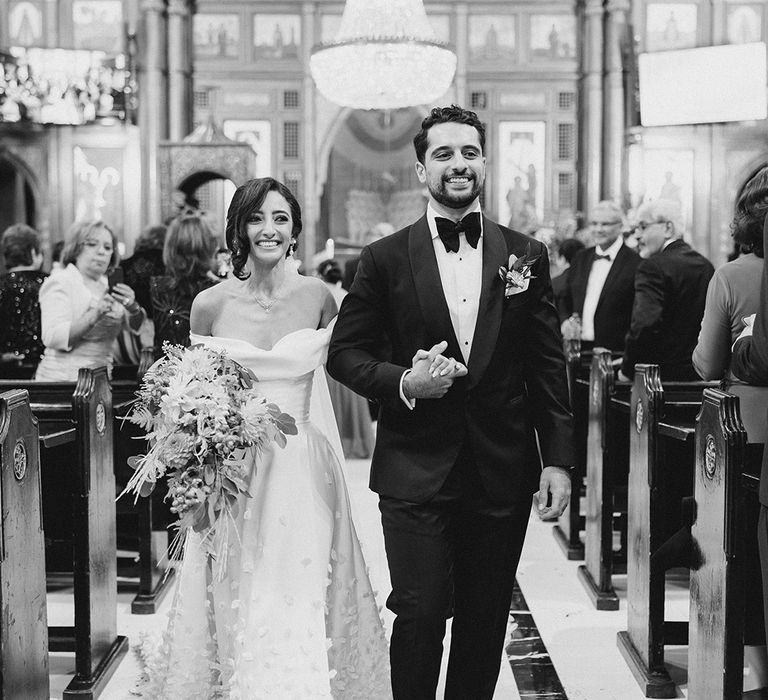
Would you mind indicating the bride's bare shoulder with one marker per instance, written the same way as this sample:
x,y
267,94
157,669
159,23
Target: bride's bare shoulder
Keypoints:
x,y
207,306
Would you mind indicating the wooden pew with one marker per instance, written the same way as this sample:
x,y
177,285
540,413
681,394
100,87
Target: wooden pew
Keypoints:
x,y
570,525
606,473
24,627
721,567
661,439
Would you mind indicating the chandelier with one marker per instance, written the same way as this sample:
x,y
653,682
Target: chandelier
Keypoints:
x,y
384,56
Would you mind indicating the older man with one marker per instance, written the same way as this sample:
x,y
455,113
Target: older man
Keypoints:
x,y
670,292
600,282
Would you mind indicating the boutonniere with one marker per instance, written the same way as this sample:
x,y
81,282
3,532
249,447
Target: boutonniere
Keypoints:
x,y
517,275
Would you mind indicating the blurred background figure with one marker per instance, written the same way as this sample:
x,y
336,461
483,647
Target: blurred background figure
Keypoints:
x,y
145,263
353,415
56,255
223,264
80,315
188,255
380,230
563,258
20,341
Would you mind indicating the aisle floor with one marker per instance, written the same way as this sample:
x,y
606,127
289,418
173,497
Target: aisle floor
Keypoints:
x,y
580,640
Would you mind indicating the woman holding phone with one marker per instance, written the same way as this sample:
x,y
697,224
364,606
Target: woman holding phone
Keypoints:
x,y
81,313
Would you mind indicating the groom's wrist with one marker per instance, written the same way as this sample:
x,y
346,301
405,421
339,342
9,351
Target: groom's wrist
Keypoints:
x,y
407,398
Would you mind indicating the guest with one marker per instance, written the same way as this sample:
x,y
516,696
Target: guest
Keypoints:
x,y
670,291
733,294
187,257
56,255
352,411
223,264
601,282
19,292
564,255
80,317
380,230
145,263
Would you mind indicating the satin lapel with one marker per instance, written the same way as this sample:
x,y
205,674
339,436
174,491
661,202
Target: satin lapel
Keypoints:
x,y
429,288
491,301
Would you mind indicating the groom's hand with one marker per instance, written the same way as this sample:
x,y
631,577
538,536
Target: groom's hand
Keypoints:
x,y
431,374
554,482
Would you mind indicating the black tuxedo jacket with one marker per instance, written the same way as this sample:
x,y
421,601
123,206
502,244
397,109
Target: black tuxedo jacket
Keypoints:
x,y
614,307
670,292
516,379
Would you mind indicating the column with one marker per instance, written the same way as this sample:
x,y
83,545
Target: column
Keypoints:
x,y
462,37
591,107
153,97
616,31
179,70
308,129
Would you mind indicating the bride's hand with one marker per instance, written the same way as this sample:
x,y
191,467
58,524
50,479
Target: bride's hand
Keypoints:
x,y
440,366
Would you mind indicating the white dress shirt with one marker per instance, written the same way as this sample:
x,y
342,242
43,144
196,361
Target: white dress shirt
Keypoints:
x,y
598,273
461,276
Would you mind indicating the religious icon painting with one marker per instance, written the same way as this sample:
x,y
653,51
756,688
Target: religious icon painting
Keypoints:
x,y
258,135
216,36
744,23
493,40
670,26
25,24
553,37
521,177
98,25
276,37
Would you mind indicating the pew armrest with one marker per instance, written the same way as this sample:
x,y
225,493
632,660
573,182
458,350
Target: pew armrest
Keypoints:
x,y
60,437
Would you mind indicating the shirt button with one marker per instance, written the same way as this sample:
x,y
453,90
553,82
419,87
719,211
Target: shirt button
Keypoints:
x,y
466,342
463,299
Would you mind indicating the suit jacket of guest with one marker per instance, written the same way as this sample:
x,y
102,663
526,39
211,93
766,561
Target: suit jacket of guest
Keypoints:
x,y
614,307
670,292
560,294
749,361
516,382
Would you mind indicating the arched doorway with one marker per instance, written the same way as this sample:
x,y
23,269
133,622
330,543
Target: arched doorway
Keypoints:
x,y
370,177
17,193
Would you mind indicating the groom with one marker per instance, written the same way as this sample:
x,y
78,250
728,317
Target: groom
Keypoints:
x,y
470,377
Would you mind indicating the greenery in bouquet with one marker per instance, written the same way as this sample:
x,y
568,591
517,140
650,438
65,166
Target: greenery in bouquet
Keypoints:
x,y
203,417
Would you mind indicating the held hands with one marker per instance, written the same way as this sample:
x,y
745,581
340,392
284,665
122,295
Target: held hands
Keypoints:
x,y
431,373
556,482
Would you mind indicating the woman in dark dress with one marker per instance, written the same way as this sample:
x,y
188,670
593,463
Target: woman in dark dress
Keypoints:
x,y
188,253
20,285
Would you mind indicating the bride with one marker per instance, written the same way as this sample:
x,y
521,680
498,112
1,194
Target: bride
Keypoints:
x,y
294,616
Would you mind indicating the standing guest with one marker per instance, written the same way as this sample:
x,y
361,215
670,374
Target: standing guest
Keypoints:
x,y
353,416
600,282
19,295
469,370
380,230
145,263
565,254
670,292
187,259
80,315
56,255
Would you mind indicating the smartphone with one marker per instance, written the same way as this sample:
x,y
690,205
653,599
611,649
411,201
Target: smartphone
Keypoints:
x,y
114,277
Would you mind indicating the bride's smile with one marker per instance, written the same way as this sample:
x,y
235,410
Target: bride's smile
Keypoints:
x,y
269,229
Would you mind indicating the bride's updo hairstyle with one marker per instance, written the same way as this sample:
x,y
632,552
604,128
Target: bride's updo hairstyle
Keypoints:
x,y
247,199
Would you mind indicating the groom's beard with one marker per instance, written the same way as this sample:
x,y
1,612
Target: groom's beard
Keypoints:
x,y
459,200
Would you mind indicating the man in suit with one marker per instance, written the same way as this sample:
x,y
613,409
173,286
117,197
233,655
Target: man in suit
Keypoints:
x,y
469,371
600,282
670,292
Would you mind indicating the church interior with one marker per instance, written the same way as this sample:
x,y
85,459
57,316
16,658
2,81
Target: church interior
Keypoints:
x,y
131,111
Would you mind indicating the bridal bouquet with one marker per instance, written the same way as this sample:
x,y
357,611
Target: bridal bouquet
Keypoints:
x,y
202,413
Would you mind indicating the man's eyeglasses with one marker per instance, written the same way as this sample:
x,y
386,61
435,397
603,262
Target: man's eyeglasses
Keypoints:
x,y
642,225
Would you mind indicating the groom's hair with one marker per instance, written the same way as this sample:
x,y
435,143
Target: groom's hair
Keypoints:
x,y
247,199
441,115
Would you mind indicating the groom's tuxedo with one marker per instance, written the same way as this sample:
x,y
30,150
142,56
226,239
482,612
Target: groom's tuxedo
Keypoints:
x,y
455,475
516,368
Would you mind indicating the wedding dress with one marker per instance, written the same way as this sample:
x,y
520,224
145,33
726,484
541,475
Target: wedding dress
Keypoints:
x,y
294,616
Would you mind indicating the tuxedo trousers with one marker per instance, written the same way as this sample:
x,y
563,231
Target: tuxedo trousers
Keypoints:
x,y
454,556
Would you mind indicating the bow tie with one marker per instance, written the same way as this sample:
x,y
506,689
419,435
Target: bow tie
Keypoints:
x,y
602,257
449,231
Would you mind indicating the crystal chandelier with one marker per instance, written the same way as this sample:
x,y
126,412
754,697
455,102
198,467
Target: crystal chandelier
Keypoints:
x,y
384,56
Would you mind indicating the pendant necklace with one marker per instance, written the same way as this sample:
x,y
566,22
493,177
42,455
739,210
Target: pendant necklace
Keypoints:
x,y
267,305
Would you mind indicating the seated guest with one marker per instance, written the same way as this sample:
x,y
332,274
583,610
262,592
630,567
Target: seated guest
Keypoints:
x,y
145,263
188,255
733,294
80,316
19,295
564,255
670,291
353,416
600,282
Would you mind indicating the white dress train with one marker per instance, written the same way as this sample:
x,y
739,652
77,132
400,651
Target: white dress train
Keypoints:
x,y
294,617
